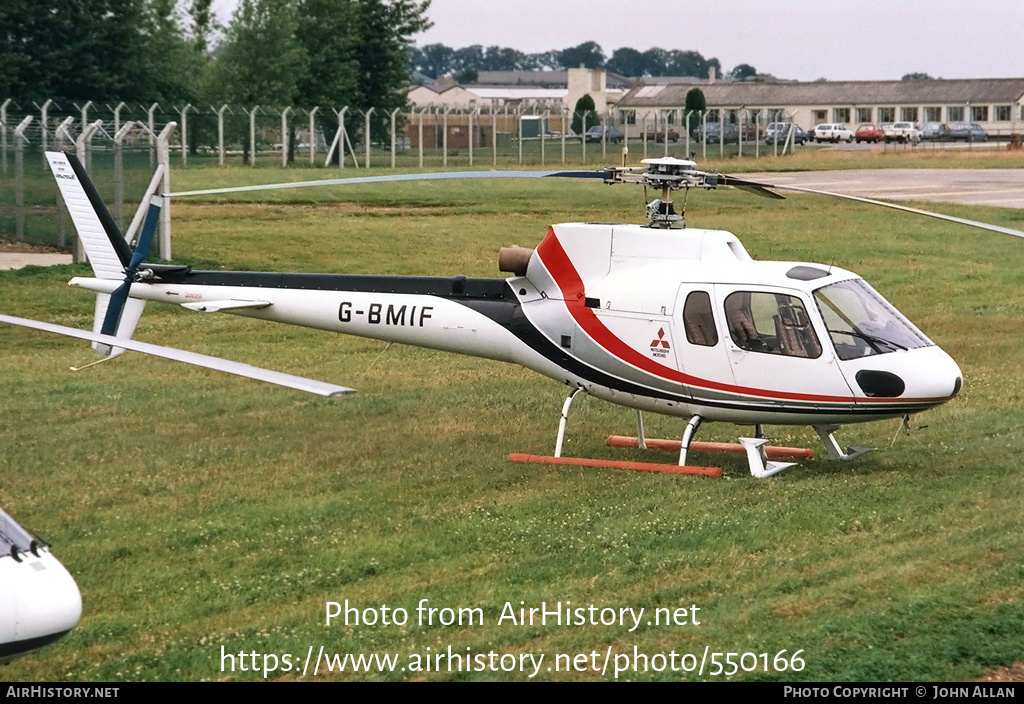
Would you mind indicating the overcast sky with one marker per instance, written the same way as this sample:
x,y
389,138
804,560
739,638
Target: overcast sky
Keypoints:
x,y
796,39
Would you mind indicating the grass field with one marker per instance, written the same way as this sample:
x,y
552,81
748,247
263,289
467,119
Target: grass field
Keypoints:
x,y
202,514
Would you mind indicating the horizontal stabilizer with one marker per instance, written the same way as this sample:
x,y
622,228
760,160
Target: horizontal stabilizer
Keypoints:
x,y
200,360
215,306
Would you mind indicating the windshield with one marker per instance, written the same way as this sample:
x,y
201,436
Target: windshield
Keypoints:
x,y
861,323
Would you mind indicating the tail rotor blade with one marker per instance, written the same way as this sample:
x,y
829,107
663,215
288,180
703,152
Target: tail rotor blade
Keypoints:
x,y
114,308
146,238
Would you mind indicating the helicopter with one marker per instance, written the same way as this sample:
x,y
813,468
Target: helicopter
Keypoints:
x,y
655,317
39,600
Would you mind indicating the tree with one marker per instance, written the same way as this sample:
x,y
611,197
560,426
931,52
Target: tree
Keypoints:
x,y
260,61
203,24
382,33
687,63
88,49
695,104
916,77
585,110
436,60
171,61
587,55
467,76
627,62
743,71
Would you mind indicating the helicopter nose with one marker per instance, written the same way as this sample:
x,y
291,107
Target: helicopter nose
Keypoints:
x,y
925,374
930,374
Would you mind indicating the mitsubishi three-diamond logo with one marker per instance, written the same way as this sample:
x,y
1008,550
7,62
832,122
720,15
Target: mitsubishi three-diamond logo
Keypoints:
x,y
659,346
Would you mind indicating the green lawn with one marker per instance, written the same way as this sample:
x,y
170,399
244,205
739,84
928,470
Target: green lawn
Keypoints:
x,y
205,515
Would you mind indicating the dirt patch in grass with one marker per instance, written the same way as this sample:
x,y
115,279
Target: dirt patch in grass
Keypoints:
x,y
1012,673
7,245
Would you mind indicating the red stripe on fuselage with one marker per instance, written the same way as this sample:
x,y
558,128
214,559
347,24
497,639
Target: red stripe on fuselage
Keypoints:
x,y
562,270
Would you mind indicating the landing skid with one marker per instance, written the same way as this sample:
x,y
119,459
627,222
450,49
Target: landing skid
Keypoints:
x,y
760,456
557,458
759,453
827,435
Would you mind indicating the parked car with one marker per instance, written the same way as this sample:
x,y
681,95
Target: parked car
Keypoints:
x,y
609,134
935,131
714,132
902,132
868,133
799,136
967,132
658,134
831,132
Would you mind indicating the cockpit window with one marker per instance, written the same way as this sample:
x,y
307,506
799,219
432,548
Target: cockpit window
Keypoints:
x,y
773,323
861,323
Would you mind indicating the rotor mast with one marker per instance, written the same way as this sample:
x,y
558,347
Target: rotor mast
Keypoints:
x,y
669,174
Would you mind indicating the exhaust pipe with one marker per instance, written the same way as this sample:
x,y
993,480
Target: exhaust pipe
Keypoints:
x,y
514,260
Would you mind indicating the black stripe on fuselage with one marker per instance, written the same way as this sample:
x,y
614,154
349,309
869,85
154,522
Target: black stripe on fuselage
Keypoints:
x,y
494,299
455,287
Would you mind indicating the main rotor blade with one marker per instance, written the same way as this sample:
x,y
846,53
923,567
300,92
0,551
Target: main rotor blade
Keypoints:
x,y
759,189
200,360
887,204
395,177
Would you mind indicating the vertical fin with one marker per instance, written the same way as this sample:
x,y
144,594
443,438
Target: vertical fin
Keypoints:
x,y
104,244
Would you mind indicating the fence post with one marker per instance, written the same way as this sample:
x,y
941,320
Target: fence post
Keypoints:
x,y
252,135
163,156
366,136
543,133
184,133
494,135
704,135
444,136
19,175
284,136
394,135
739,136
117,116
664,130
565,112
42,116
519,130
119,171
624,152
220,134
312,134
472,133
152,134
342,137
3,133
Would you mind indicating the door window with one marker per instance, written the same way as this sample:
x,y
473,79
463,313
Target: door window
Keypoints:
x,y
771,323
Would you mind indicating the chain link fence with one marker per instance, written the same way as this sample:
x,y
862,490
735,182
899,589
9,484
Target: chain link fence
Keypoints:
x,y
119,145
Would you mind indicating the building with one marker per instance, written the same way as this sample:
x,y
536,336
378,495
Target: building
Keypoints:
x,y
529,90
996,104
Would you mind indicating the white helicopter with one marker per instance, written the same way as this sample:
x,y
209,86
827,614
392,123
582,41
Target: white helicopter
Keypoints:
x,y
39,600
655,317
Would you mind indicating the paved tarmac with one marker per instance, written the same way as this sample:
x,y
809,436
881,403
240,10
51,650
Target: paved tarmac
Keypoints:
x,y
1003,188
16,260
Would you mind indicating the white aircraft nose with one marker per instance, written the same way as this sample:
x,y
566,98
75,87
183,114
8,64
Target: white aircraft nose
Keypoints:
x,y
40,602
935,375
925,373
